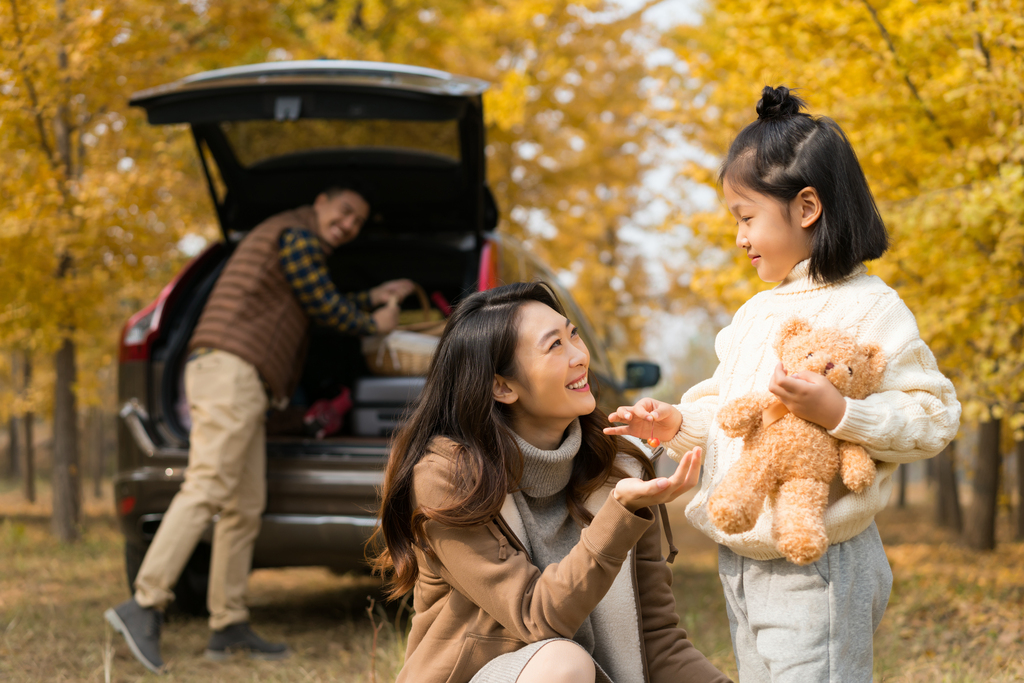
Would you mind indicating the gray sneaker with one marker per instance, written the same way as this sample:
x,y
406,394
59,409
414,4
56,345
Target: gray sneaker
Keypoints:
x,y
240,638
140,627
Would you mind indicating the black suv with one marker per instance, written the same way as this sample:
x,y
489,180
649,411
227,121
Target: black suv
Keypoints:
x,y
270,137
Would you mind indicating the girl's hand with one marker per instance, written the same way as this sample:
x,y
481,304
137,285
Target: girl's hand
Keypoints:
x,y
636,493
646,419
810,396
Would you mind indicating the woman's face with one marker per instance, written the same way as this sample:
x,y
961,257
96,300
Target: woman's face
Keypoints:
x,y
552,362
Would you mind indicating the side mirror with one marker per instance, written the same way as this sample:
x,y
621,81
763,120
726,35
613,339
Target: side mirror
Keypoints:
x,y
641,374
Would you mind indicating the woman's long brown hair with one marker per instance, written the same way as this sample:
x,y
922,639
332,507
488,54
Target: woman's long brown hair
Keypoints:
x,y
479,342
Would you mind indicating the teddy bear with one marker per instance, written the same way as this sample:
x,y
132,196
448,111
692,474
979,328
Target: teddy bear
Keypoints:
x,y
787,459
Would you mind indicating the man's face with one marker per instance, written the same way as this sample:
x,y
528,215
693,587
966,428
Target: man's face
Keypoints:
x,y
340,217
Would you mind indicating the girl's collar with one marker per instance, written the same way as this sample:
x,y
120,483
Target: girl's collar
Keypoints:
x,y
800,280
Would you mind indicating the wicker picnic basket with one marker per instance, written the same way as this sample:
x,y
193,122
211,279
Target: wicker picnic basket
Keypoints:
x,y
407,350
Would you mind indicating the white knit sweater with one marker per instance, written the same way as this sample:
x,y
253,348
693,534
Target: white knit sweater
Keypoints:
x,y
912,416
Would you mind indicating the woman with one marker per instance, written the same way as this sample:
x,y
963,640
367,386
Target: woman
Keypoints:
x,y
525,533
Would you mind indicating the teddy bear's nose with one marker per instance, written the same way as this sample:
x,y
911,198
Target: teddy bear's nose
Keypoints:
x,y
829,366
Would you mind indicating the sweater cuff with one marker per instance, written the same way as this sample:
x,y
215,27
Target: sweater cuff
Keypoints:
x,y
693,432
857,424
615,530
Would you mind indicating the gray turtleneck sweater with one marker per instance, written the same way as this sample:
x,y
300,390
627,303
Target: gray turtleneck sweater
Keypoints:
x,y
541,501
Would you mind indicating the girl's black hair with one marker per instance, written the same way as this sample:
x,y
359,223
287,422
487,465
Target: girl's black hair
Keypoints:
x,y
786,150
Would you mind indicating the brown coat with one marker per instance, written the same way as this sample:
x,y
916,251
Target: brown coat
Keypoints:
x,y
478,595
253,312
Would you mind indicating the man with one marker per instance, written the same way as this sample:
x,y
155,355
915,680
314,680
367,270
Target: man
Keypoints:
x,y
246,354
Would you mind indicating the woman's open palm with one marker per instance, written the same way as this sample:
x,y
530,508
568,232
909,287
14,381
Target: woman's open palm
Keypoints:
x,y
636,493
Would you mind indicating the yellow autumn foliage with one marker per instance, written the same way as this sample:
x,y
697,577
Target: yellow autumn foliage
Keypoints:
x,y
929,93
95,200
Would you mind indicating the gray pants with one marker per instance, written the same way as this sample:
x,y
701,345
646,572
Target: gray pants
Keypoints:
x,y
793,624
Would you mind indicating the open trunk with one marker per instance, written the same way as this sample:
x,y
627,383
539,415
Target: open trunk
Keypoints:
x,y
334,360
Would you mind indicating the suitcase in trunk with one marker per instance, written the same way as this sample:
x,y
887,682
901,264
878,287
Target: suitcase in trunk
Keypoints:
x,y
387,391
380,403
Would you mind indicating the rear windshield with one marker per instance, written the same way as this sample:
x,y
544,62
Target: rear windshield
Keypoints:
x,y
257,141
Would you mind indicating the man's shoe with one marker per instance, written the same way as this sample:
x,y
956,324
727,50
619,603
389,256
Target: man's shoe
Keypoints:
x,y
140,627
240,638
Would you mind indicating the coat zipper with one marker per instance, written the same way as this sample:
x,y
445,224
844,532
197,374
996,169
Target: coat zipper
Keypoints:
x,y
639,615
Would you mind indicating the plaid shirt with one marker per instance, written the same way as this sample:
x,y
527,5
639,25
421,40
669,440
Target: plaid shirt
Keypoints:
x,y
305,268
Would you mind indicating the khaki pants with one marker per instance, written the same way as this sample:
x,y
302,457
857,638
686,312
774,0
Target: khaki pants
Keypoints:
x,y
226,475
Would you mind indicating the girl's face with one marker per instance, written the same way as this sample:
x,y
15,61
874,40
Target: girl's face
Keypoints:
x,y
776,236
551,387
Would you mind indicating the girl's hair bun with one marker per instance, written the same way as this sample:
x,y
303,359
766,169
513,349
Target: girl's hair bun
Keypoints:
x,y
778,103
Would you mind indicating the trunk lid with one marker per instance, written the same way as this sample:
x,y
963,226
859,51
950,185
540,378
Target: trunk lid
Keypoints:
x,y
271,136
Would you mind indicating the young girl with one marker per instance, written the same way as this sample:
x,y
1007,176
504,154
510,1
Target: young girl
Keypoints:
x,y
526,535
807,220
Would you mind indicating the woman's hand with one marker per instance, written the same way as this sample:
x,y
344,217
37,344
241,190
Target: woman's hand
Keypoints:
x,y
810,396
646,419
636,493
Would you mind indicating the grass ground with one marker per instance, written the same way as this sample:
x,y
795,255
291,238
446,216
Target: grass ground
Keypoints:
x,y
955,615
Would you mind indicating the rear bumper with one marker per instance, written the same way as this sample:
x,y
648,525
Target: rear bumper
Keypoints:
x,y
334,541
316,516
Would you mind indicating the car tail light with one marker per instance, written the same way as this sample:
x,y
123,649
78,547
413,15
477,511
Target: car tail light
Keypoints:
x,y
488,267
142,328
125,505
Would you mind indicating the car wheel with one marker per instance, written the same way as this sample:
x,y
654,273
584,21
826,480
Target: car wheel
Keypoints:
x,y
190,591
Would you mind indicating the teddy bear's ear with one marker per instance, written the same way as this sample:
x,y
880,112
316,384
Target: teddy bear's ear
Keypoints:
x,y
791,328
876,361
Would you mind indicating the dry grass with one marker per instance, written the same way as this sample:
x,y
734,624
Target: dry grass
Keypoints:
x,y
52,598
955,615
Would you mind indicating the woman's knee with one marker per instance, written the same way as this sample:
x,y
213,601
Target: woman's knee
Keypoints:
x,y
560,661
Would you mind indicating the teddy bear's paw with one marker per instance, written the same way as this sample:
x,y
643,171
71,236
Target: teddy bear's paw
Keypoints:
x,y
803,549
856,469
859,479
733,517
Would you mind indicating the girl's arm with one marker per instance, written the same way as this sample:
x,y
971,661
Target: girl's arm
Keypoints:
x,y
698,407
671,656
700,404
915,413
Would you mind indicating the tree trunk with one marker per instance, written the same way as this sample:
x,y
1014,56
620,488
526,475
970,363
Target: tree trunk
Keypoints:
x,y
980,532
96,448
29,469
1020,490
901,500
66,479
948,497
13,454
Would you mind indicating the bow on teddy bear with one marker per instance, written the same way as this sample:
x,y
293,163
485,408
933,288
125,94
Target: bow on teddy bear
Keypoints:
x,y
788,459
